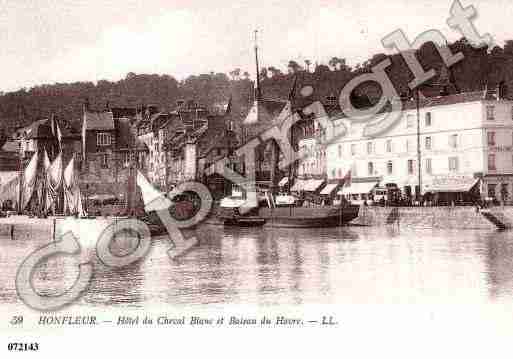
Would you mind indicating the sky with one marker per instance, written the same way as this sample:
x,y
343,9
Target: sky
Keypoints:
x,y
49,41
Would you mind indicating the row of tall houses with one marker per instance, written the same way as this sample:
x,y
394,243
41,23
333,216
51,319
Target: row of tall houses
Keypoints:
x,y
101,143
182,144
466,147
106,145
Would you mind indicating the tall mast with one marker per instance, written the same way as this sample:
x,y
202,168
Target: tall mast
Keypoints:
x,y
258,90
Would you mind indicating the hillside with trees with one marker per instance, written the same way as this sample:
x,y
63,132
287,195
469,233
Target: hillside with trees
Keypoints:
x,y
479,68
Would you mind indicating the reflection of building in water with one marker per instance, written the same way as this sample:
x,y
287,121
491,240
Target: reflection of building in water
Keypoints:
x,y
499,262
118,285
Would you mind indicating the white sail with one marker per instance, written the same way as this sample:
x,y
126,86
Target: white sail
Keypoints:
x,y
29,181
53,173
153,199
72,195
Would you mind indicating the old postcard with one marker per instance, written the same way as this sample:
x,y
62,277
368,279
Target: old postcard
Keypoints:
x,y
306,177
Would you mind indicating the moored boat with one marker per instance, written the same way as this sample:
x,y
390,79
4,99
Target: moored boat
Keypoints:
x,y
292,216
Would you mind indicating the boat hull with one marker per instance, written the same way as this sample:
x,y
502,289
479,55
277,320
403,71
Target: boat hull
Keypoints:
x,y
290,217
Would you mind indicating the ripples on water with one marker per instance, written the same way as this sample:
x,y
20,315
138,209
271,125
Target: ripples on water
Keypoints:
x,y
290,266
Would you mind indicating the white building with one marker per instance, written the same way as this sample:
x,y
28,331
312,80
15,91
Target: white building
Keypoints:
x,y
463,138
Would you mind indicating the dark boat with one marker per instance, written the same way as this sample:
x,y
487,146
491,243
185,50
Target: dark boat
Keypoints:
x,y
290,216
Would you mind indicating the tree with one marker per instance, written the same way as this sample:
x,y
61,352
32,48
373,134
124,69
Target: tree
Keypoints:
x,y
307,65
293,67
235,74
338,64
275,72
263,73
321,68
333,63
508,47
246,75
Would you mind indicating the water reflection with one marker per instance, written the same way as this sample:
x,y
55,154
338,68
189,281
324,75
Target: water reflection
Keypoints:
x,y
290,266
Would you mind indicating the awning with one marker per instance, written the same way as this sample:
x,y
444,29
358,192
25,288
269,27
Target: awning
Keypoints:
x,y
330,187
452,185
283,181
357,188
313,185
102,197
299,185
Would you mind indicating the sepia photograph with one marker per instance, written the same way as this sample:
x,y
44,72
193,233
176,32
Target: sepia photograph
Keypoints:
x,y
313,177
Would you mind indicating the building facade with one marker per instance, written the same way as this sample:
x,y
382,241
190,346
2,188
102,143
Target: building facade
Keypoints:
x,y
463,138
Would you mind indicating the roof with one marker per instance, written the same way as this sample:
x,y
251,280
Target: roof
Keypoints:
x,y
128,112
99,120
37,129
264,111
10,146
447,100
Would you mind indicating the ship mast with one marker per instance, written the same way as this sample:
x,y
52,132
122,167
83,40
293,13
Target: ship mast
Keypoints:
x,y
258,93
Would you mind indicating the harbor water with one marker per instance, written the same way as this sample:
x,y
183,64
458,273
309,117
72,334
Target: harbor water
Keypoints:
x,y
259,266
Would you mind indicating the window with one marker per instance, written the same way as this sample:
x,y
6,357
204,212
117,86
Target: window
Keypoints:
x,y
429,169
411,167
389,145
340,173
408,146
409,121
491,162
504,191
333,174
453,141
453,164
370,167
369,148
491,190
353,149
105,160
126,158
103,139
339,151
354,172
491,138
490,113
428,143
390,167
428,119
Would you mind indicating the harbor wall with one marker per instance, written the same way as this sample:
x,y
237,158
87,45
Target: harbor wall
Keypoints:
x,y
428,217
86,230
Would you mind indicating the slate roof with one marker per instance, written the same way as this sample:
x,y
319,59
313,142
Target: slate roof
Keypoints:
x,y
37,129
99,120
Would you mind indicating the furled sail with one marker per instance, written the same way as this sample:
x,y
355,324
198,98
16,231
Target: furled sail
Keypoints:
x,y
72,195
53,173
29,181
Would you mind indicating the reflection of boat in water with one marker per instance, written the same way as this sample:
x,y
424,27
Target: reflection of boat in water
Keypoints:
x,y
286,215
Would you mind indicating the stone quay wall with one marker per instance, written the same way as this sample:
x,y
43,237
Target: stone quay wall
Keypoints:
x,y
429,217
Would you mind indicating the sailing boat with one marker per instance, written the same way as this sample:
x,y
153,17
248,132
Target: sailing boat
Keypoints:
x,y
282,210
